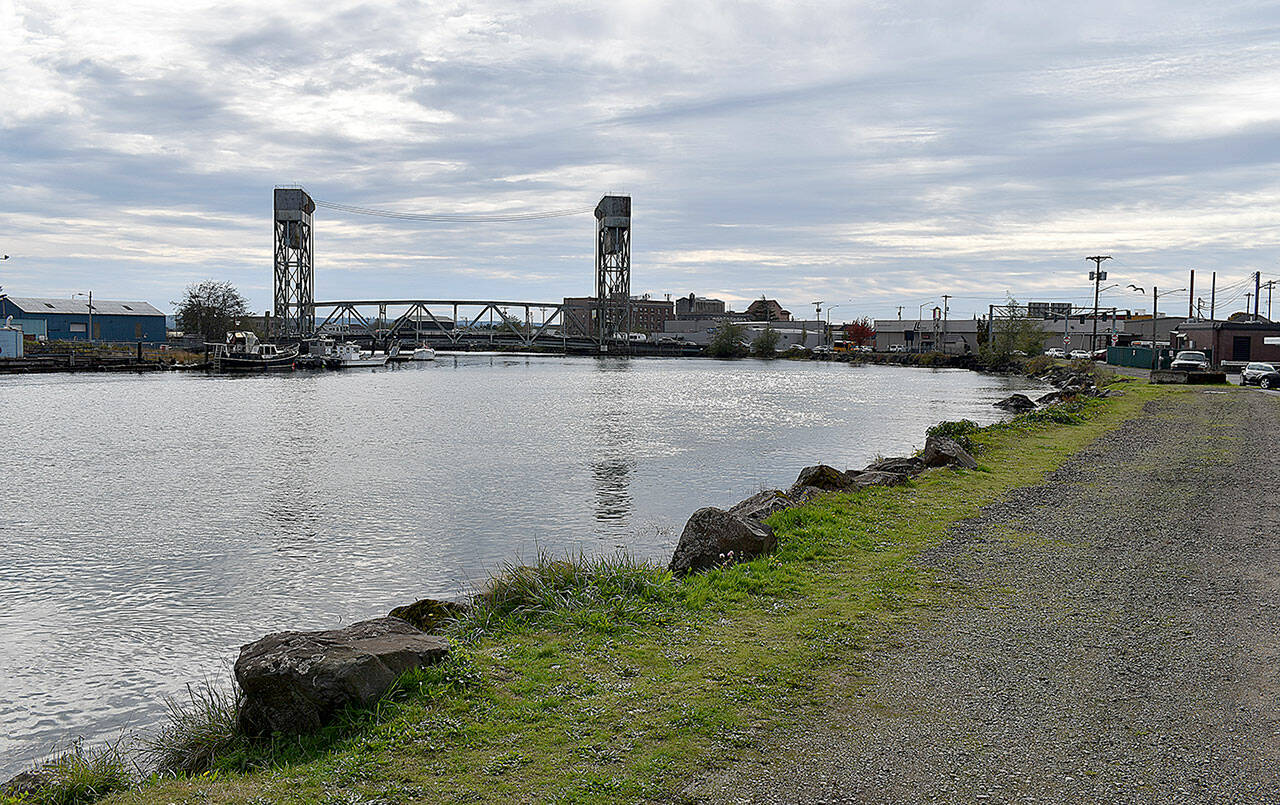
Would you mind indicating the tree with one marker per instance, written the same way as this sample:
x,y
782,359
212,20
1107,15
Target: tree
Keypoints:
x,y
211,308
727,342
765,345
1014,333
860,332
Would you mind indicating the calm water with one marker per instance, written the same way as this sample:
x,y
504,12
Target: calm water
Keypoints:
x,y
152,524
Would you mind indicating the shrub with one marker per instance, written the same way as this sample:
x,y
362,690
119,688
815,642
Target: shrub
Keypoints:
x,y
196,732
765,345
1039,364
959,431
727,342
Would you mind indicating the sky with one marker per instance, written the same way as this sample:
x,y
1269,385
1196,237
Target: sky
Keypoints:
x,y
873,155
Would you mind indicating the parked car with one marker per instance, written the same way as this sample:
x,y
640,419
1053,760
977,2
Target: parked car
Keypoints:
x,y
1100,354
1081,355
1056,352
897,348
1190,360
823,349
1254,372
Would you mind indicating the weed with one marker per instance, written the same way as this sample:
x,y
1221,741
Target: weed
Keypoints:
x,y
960,431
78,776
196,732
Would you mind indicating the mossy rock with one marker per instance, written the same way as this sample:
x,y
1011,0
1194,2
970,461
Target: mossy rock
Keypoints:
x,y
430,614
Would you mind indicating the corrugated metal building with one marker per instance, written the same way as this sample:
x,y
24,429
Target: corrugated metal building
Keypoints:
x,y
68,319
10,343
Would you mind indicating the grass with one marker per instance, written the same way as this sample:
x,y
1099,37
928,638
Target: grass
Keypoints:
x,y
582,679
79,775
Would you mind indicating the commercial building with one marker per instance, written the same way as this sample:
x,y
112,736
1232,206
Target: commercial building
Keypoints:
x,y
648,315
699,307
700,331
72,319
766,310
954,337
1230,340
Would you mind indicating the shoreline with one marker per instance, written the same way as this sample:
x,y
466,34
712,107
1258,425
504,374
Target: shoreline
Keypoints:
x,y
997,426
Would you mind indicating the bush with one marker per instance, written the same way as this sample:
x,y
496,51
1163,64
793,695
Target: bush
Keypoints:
x,y
765,345
196,732
727,342
960,431
1039,364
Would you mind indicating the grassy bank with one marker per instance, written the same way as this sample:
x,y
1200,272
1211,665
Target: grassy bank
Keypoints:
x,y
612,681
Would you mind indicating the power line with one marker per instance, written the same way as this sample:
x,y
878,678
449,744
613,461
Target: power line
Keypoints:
x,y
455,218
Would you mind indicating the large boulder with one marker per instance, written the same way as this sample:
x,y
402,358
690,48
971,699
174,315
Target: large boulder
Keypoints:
x,y
939,451
295,682
759,506
1016,402
906,465
824,477
1052,397
712,534
430,614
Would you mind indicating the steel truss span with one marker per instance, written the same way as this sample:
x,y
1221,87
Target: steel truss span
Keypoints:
x,y
467,321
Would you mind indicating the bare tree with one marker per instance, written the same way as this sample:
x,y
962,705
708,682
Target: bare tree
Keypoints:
x,y
211,308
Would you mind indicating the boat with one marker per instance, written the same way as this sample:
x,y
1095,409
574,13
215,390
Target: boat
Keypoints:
x,y
244,352
418,353
348,355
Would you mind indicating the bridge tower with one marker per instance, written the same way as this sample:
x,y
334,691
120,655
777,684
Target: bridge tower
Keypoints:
x,y
294,272
613,267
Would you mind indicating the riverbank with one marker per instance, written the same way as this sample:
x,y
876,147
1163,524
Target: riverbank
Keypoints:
x,y
601,695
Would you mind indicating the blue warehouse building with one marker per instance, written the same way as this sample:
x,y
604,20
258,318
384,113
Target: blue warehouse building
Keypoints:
x,y
68,319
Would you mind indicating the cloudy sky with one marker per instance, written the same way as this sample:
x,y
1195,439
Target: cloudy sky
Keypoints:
x,y
871,154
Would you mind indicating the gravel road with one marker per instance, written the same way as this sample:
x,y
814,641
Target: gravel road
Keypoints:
x,y
1126,647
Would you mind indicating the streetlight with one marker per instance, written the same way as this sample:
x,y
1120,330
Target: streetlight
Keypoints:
x,y
89,335
828,335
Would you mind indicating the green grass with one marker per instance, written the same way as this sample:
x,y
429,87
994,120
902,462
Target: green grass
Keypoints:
x,y
79,775
608,680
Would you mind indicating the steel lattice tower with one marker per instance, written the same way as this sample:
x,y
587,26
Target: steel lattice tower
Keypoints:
x,y
613,267
294,271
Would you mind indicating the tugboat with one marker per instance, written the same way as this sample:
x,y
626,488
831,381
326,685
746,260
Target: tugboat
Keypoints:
x,y
243,352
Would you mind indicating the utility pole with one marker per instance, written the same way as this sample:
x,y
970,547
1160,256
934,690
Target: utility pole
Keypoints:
x,y
1248,300
899,312
1097,275
1269,284
946,308
1257,287
1213,298
1191,296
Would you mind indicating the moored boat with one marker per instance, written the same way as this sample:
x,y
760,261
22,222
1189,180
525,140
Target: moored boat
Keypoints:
x,y
348,355
244,352
419,353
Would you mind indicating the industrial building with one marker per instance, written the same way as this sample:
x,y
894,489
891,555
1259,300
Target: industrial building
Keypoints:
x,y
74,320
647,315
1239,341
699,307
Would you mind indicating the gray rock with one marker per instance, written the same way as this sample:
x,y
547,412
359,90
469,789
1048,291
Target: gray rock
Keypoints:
x,y
762,504
430,614
712,533
822,476
1016,402
909,465
879,478
27,783
939,451
1051,398
295,682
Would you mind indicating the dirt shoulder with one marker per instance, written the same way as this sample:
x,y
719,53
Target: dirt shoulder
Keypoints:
x,y
1119,641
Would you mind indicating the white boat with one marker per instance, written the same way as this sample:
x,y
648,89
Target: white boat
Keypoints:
x,y
419,353
348,355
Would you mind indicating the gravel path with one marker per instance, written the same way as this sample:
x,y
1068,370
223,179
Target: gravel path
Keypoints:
x,y
1127,649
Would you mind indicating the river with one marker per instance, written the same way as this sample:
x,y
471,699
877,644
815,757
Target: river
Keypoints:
x,y
152,524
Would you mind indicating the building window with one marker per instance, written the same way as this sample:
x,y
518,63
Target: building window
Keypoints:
x,y
79,327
